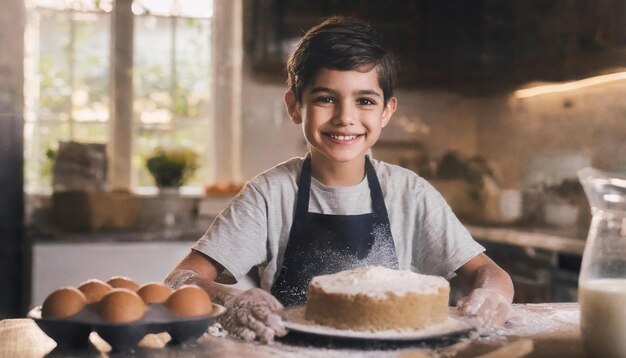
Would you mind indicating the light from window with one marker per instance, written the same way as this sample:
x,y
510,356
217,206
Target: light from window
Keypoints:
x,y
67,78
172,80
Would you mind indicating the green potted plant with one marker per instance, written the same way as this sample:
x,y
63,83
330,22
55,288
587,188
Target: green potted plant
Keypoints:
x,y
468,185
171,168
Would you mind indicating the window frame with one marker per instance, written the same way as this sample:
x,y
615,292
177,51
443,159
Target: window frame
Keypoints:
x,y
224,140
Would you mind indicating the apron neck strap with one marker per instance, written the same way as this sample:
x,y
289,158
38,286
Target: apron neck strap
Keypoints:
x,y
304,189
376,194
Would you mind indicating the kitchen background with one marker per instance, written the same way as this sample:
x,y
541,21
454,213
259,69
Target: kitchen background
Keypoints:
x,y
464,66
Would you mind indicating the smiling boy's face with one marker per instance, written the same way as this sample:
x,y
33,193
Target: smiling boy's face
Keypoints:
x,y
342,114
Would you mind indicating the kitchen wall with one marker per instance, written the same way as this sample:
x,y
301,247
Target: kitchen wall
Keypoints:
x,y
441,120
484,49
589,121
509,132
269,136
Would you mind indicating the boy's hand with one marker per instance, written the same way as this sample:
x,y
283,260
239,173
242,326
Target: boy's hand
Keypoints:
x,y
253,313
489,306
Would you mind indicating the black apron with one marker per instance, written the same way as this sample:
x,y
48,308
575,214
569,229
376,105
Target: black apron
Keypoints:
x,y
322,244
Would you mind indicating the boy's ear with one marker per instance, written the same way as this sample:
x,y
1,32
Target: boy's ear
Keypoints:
x,y
388,111
293,108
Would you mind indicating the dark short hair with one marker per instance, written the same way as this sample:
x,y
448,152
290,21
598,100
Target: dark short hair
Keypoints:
x,y
345,44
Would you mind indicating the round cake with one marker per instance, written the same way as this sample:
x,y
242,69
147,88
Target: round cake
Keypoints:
x,y
375,298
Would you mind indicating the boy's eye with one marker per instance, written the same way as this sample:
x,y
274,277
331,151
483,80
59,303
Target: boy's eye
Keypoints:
x,y
324,99
365,101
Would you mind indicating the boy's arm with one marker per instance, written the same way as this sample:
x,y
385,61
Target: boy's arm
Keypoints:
x,y
492,292
250,314
199,269
482,272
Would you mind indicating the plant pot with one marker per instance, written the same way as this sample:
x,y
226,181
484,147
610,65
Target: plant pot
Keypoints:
x,y
169,198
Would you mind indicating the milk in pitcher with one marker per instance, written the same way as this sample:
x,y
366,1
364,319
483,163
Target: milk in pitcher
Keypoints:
x,y
603,316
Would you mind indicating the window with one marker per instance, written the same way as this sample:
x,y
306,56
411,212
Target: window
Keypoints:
x,y
67,81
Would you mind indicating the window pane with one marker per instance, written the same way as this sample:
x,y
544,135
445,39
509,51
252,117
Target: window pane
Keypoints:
x,y
70,100
90,95
92,132
193,69
153,69
78,5
67,89
183,8
191,135
195,8
172,90
39,137
54,67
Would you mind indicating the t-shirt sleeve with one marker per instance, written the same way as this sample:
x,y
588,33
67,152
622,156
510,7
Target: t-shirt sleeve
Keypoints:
x,y
443,243
237,239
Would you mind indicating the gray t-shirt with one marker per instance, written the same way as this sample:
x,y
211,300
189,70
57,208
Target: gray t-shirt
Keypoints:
x,y
254,229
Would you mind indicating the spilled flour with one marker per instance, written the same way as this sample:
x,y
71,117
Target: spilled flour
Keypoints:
x,y
538,320
542,322
547,321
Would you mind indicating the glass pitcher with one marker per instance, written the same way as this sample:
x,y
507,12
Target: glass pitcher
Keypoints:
x,y
602,281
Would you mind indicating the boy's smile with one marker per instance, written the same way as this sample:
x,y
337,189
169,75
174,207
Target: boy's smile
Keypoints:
x,y
342,114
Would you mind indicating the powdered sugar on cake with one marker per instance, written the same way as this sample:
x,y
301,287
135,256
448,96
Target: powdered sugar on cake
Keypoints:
x,y
378,281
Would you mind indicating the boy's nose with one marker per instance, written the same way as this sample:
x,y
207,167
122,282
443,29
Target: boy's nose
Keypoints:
x,y
345,115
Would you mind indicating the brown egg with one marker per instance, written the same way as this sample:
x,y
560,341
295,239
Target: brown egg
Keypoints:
x,y
189,301
64,302
121,305
154,292
123,282
94,289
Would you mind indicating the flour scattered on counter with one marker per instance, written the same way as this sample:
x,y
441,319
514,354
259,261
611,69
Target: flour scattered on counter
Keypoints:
x,y
569,317
540,322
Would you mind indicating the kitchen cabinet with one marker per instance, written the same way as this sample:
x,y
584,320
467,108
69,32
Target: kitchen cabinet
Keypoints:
x,y
537,275
469,46
544,266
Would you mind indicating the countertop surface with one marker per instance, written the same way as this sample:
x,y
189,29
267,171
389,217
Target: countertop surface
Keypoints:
x,y
564,241
545,330
191,232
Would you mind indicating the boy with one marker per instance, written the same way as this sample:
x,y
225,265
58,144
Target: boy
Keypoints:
x,y
337,208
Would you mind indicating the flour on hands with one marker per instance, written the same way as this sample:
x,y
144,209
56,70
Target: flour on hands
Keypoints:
x,y
489,308
253,314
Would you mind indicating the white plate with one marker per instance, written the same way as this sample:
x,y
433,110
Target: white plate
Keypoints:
x,y
294,320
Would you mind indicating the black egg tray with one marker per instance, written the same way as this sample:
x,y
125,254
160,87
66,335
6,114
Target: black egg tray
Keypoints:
x,y
74,331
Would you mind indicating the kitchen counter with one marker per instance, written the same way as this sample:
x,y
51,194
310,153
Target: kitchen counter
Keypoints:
x,y
186,234
539,238
543,262
61,259
546,330
562,241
